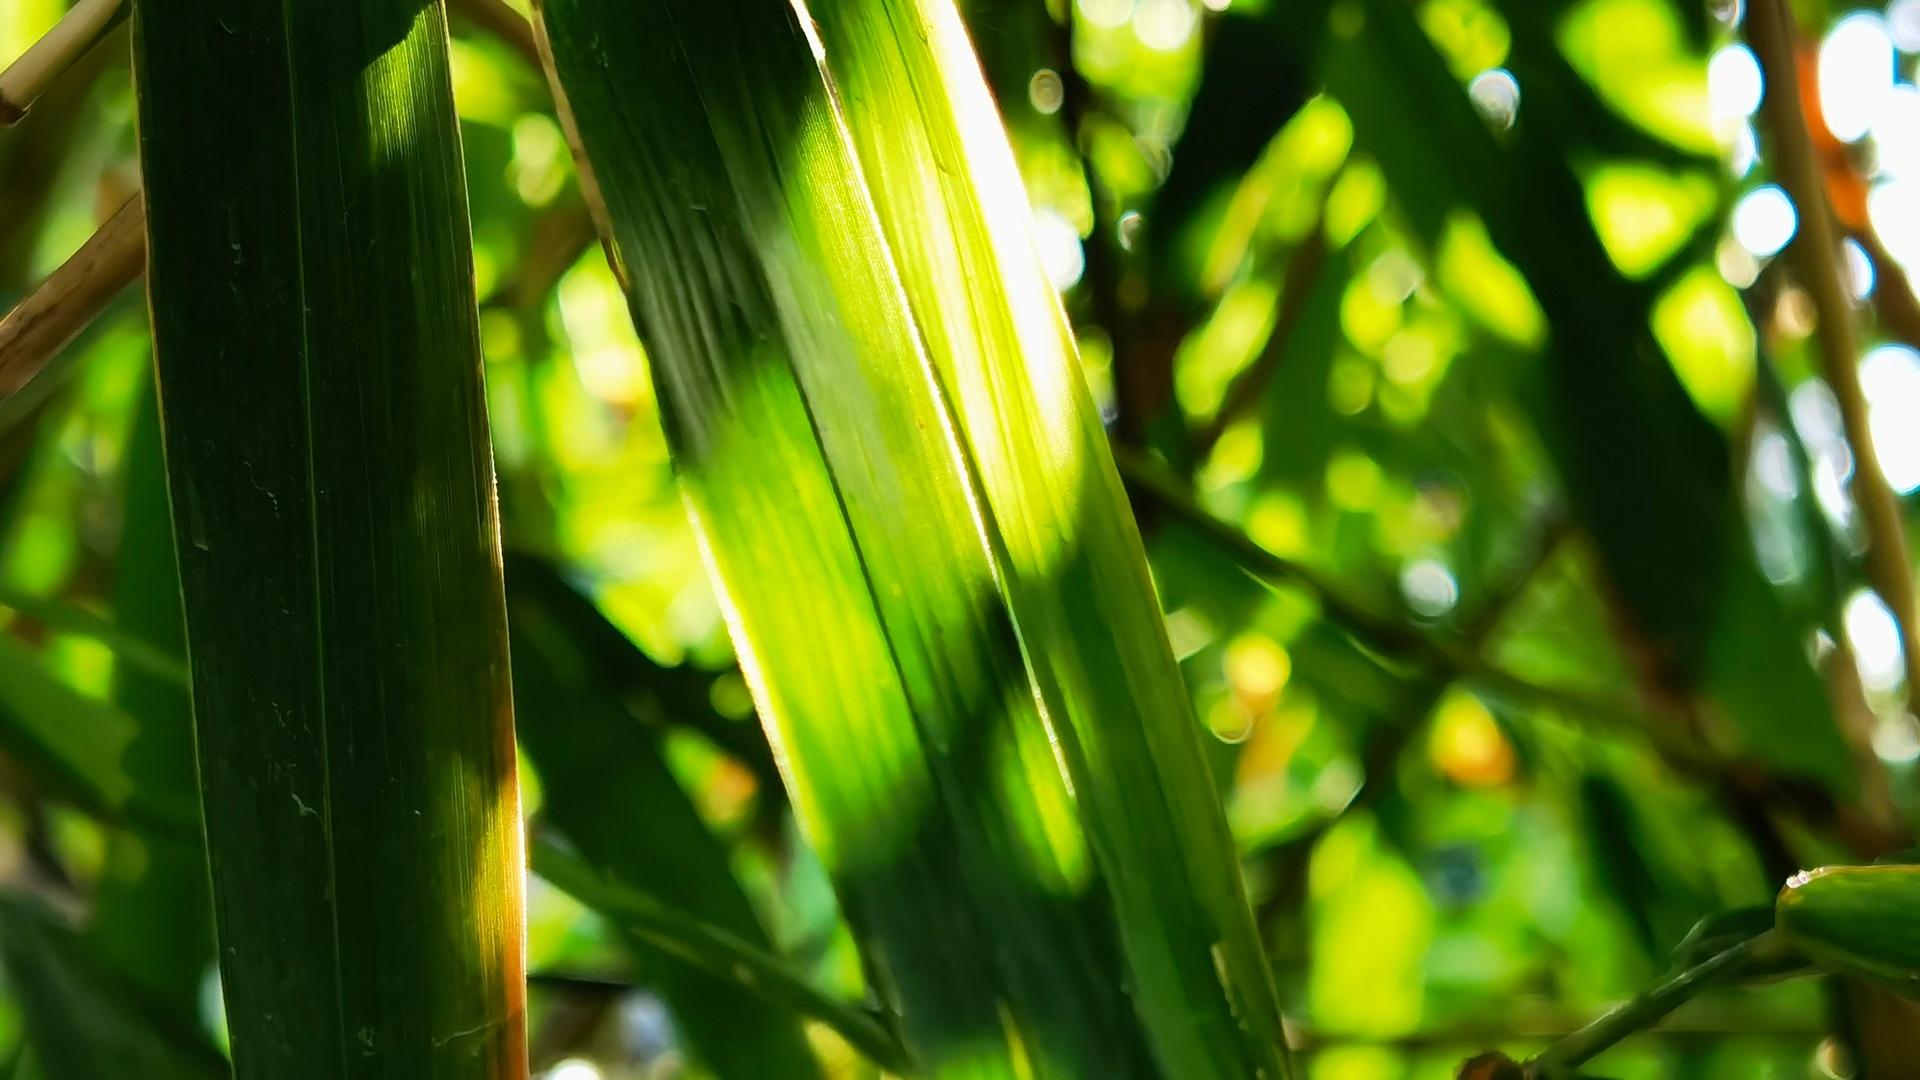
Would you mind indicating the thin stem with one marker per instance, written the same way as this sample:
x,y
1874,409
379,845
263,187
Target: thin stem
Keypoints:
x,y
1816,254
1408,644
719,953
1303,267
1646,1010
35,331
37,68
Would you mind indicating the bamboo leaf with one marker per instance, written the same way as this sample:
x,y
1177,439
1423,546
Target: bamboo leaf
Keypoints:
x,y
952,206
602,774
130,649
714,951
1862,920
326,443
80,742
1040,888
80,1022
152,915
680,696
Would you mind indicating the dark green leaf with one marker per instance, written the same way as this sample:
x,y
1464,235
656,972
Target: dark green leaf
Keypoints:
x,y
319,368
81,1023
606,788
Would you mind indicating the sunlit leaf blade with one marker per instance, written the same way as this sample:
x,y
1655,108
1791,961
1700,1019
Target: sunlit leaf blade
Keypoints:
x,y
951,204
332,494
817,452
153,917
740,966
679,696
606,787
79,1021
1862,920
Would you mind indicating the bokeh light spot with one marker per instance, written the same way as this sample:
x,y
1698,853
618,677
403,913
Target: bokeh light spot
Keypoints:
x,y
1060,250
1496,93
1856,71
1890,378
1764,221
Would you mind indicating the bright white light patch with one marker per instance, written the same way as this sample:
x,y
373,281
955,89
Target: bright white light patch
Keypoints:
x,y
1745,153
574,1069
1773,464
1060,251
1163,24
1890,378
1896,133
1496,93
1895,740
1856,71
1876,641
1859,270
1764,221
1734,82
1429,587
1894,210
1106,14
1903,22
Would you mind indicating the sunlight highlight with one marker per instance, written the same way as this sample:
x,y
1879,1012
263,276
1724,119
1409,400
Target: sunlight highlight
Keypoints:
x,y
1764,221
1856,71
1890,378
1876,642
1734,83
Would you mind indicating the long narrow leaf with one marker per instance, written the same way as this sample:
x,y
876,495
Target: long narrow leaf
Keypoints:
x,y
153,917
79,1021
952,206
1021,886
607,789
81,743
838,520
332,494
727,959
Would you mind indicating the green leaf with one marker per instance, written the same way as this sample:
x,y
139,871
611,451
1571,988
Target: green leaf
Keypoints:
x,y
80,743
131,650
80,1021
1723,930
1860,920
953,209
926,560
1648,475
723,957
153,915
602,773
680,696
319,369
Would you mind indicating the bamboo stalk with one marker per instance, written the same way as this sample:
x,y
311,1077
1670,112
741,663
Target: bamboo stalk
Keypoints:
x,y
29,76
1816,254
63,305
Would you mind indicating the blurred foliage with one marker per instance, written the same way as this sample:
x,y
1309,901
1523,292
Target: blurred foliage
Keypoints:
x,y
1466,313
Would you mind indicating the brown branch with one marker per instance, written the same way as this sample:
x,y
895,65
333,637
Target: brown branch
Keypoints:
x,y
1816,254
28,77
35,331
1247,387
496,18
1893,299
